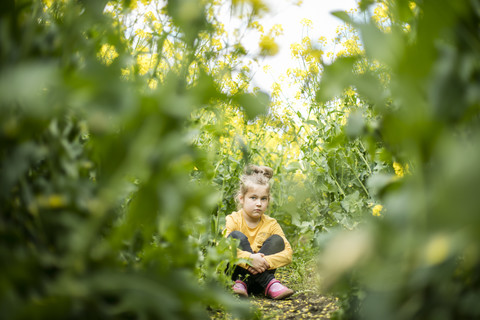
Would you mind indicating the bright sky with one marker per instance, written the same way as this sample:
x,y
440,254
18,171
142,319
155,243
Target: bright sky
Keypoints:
x,y
289,15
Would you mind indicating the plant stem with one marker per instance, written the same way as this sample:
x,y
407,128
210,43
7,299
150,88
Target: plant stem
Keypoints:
x,y
363,158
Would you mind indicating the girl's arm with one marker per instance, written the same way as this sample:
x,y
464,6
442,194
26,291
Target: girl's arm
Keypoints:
x,y
230,226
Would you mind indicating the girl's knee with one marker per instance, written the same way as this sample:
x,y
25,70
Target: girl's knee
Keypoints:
x,y
276,242
237,235
244,243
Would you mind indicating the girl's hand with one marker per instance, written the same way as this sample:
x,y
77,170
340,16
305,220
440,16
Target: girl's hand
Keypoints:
x,y
251,270
259,264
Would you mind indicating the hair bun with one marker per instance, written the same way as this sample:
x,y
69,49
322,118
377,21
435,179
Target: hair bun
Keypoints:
x,y
265,171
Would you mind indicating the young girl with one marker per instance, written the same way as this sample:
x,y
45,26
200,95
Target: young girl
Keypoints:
x,y
262,240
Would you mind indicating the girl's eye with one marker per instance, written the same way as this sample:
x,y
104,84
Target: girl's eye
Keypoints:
x,y
264,199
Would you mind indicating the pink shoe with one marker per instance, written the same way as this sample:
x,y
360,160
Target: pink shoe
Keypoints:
x,y
277,291
240,288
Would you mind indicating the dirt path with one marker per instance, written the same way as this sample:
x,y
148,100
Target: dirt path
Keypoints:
x,y
304,304
299,306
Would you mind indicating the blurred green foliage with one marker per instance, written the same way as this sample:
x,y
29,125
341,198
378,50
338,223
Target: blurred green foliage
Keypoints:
x,y
100,215
421,259
116,177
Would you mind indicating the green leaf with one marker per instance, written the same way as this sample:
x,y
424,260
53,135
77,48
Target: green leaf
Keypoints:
x,y
253,104
364,4
355,124
387,48
379,181
342,15
336,77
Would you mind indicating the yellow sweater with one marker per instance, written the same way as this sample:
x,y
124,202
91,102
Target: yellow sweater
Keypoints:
x,y
256,236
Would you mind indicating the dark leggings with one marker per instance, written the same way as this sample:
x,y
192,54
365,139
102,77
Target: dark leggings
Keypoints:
x,y
257,282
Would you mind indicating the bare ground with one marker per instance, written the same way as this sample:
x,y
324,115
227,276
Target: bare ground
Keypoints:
x,y
305,303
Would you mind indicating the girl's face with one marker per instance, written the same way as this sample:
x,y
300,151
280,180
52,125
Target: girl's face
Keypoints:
x,y
255,201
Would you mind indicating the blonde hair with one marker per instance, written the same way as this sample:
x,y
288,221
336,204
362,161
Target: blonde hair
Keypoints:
x,y
254,174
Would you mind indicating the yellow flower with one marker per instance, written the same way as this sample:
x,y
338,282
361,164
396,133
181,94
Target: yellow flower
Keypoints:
x,y
352,47
399,171
256,25
142,34
133,4
268,46
158,26
437,249
152,83
53,201
258,6
306,22
217,44
316,54
276,30
107,54
56,201
313,69
376,210
143,62
276,90
296,49
307,42
150,16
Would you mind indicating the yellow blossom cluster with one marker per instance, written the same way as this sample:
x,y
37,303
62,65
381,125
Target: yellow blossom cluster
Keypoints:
x,y
437,249
216,43
297,73
350,47
276,30
273,147
381,17
150,17
400,170
152,83
305,50
376,210
52,201
145,63
107,53
268,46
134,3
256,25
306,22
276,91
